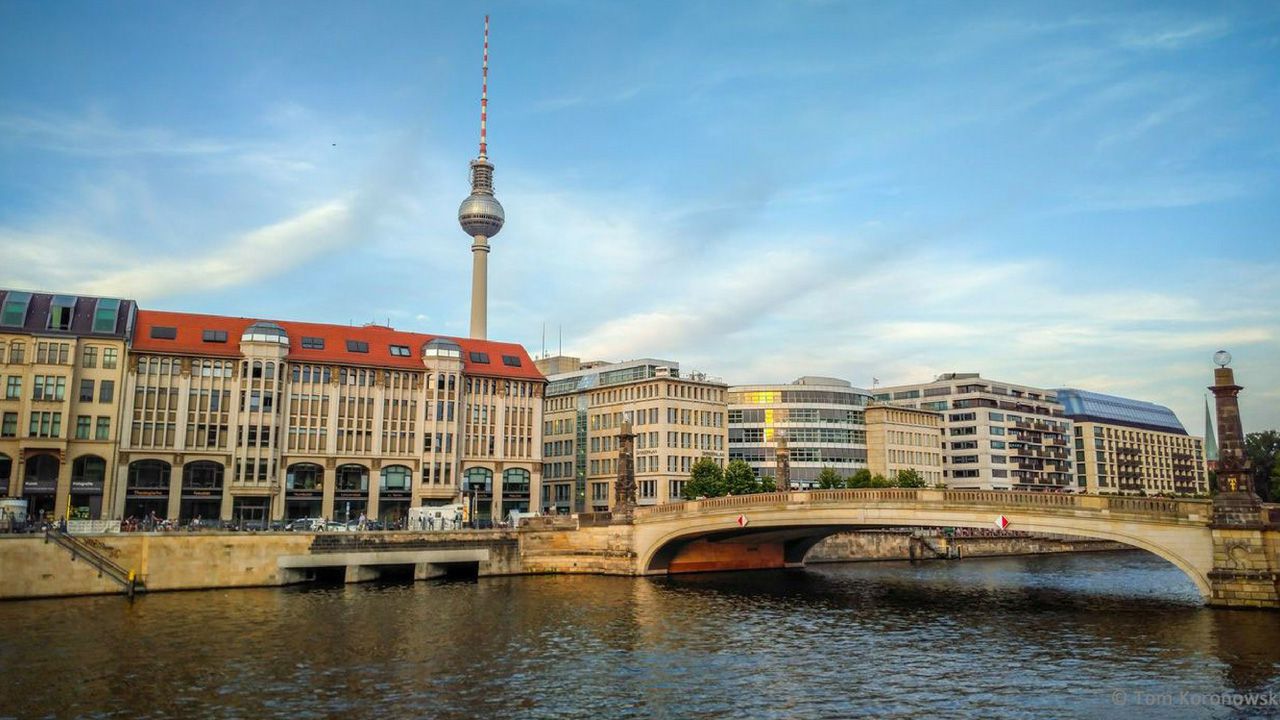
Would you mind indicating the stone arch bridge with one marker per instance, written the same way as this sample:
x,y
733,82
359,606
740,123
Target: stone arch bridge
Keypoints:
x,y
1230,566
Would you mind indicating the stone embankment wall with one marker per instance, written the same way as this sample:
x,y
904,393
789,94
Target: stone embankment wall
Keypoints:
x,y
30,567
887,545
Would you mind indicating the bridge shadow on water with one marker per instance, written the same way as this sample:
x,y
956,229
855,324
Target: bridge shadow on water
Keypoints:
x,y
1093,607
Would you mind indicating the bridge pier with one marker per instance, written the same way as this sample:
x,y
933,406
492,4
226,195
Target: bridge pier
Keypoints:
x,y
361,573
1246,568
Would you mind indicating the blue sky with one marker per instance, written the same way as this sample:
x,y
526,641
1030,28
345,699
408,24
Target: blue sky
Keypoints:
x,y
1079,194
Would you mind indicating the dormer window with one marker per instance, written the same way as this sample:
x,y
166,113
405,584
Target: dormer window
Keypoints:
x,y
511,361
14,312
357,346
400,350
312,343
159,332
61,310
479,357
214,336
104,315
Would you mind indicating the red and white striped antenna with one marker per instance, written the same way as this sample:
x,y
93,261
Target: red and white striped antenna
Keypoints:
x,y
484,91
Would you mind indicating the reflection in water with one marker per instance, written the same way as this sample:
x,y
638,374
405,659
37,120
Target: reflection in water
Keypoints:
x,y
1039,636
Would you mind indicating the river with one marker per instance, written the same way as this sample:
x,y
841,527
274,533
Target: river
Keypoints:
x,y
1087,635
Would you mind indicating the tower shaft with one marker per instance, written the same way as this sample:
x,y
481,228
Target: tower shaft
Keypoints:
x,y
479,287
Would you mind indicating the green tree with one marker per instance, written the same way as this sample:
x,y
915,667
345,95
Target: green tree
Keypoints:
x,y
880,481
706,479
829,479
1263,451
740,479
909,478
860,479
768,484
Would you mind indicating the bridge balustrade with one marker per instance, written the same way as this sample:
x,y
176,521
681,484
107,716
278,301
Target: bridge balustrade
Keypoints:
x,y
1167,507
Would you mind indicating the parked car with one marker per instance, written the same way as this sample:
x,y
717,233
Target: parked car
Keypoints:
x,y
305,525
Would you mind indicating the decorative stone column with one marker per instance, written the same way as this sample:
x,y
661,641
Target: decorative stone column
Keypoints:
x,y
1246,548
624,488
783,462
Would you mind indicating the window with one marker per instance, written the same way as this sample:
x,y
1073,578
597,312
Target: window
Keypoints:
x,y
45,424
90,357
109,358
103,431
400,350
82,427
10,426
107,391
214,336
104,315
14,311
49,387
357,346
312,343
86,391
13,390
17,353
511,361
159,332
61,309
479,357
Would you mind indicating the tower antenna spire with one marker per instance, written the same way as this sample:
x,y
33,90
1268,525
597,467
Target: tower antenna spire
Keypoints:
x,y
484,92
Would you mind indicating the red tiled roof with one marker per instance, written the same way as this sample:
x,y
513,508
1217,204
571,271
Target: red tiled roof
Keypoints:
x,y
190,329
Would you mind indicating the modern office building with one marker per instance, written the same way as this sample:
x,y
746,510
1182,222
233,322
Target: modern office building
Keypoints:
x,y
998,435
902,438
62,360
677,420
246,419
819,418
1132,447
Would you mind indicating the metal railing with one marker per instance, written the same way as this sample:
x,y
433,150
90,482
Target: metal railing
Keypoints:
x,y
127,579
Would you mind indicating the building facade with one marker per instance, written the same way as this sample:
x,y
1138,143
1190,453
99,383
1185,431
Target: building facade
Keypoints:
x,y
997,435
901,438
1133,447
677,420
819,419
252,420
62,360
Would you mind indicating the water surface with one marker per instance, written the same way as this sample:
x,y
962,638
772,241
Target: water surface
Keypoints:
x,y
1090,635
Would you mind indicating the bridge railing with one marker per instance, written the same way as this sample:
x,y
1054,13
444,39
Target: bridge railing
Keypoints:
x,y
1164,507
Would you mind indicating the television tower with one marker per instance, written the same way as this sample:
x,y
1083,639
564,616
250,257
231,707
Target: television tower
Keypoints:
x,y
481,214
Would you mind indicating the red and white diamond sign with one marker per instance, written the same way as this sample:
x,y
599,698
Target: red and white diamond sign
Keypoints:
x,y
742,521
1002,522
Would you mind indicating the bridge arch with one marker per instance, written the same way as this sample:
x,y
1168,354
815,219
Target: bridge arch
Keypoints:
x,y
1174,530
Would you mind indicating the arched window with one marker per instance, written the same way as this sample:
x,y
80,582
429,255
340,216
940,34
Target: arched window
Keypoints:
x,y
42,468
351,478
88,470
515,480
149,474
202,475
270,371
395,477
6,472
477,479
304,476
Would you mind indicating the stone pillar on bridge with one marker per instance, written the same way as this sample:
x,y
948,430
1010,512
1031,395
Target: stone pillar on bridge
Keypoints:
x,y
624,488
1246,547
782,461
